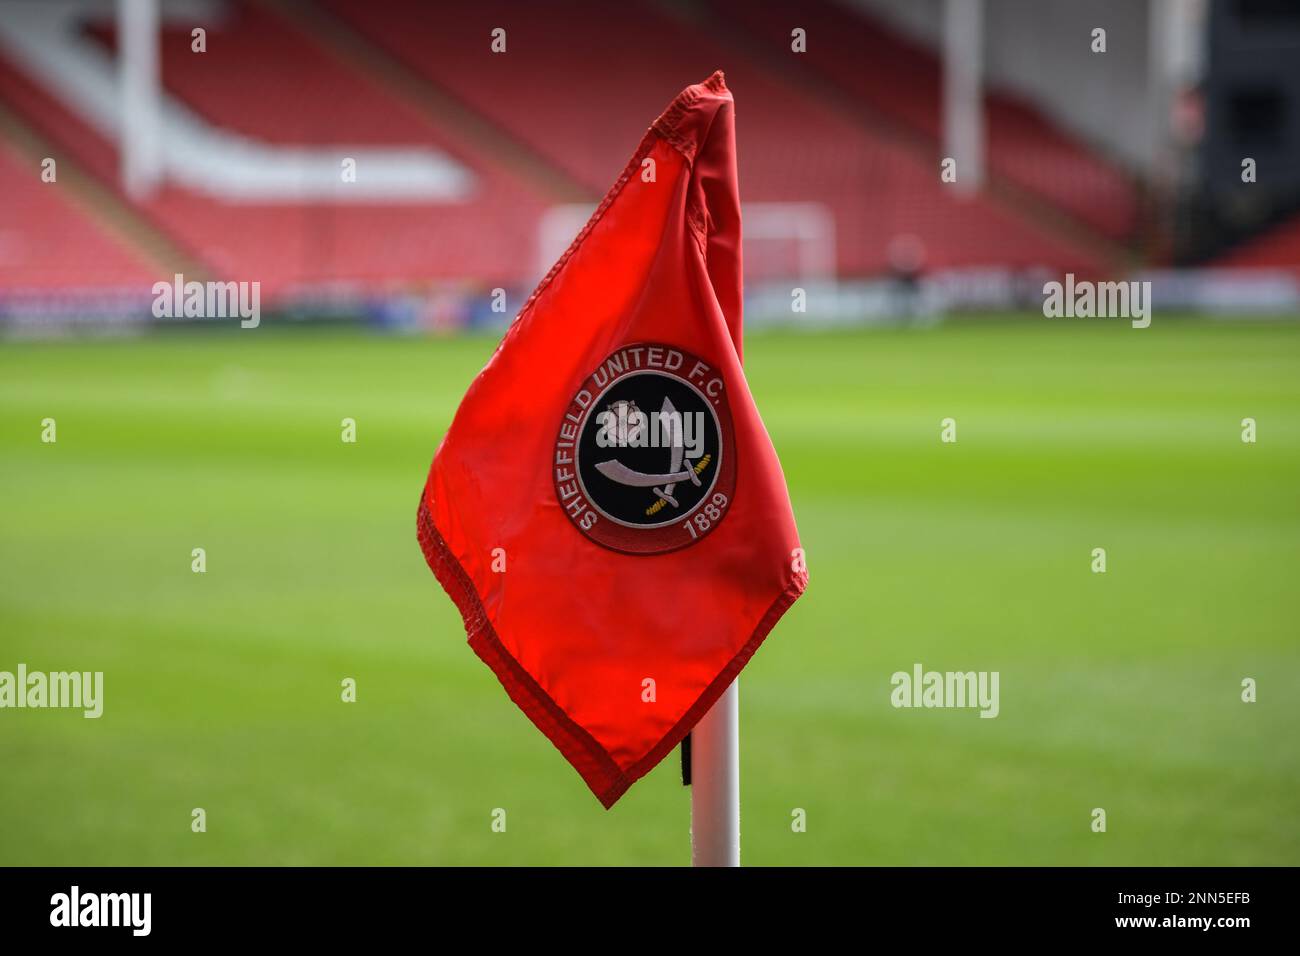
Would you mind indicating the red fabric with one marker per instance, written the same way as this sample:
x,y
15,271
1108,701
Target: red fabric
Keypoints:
x,y
578,620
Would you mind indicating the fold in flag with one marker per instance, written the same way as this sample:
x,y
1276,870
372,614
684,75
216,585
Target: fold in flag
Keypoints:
x,y
606,509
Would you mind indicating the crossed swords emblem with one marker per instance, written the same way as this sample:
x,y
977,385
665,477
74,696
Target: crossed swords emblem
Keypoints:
x,y
662,485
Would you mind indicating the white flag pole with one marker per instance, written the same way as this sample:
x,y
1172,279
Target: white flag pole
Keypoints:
x,y
715,783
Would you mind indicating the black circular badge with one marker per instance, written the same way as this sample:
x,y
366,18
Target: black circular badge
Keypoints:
x,y
645,461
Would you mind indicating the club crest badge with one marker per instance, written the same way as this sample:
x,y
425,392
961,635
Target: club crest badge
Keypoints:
x,y
645,461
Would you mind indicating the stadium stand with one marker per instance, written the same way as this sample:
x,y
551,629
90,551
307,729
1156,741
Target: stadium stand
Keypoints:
x,y
792,147
48,242
865,58
474,147
263,80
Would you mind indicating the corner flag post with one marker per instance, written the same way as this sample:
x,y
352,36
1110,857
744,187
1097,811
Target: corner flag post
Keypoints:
x,y
715,783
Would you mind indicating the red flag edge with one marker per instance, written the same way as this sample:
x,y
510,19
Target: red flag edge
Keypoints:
x,y
592,761
667,127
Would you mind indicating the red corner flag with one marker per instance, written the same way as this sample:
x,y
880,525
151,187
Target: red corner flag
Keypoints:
x,y
606,509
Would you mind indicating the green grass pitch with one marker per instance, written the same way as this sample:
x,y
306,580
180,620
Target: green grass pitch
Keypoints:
x,y
222,690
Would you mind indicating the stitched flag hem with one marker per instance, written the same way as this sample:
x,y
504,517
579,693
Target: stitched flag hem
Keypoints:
x,y
592,761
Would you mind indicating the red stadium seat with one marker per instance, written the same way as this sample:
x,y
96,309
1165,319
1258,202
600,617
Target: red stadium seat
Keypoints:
x,y
1276,248
49,242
